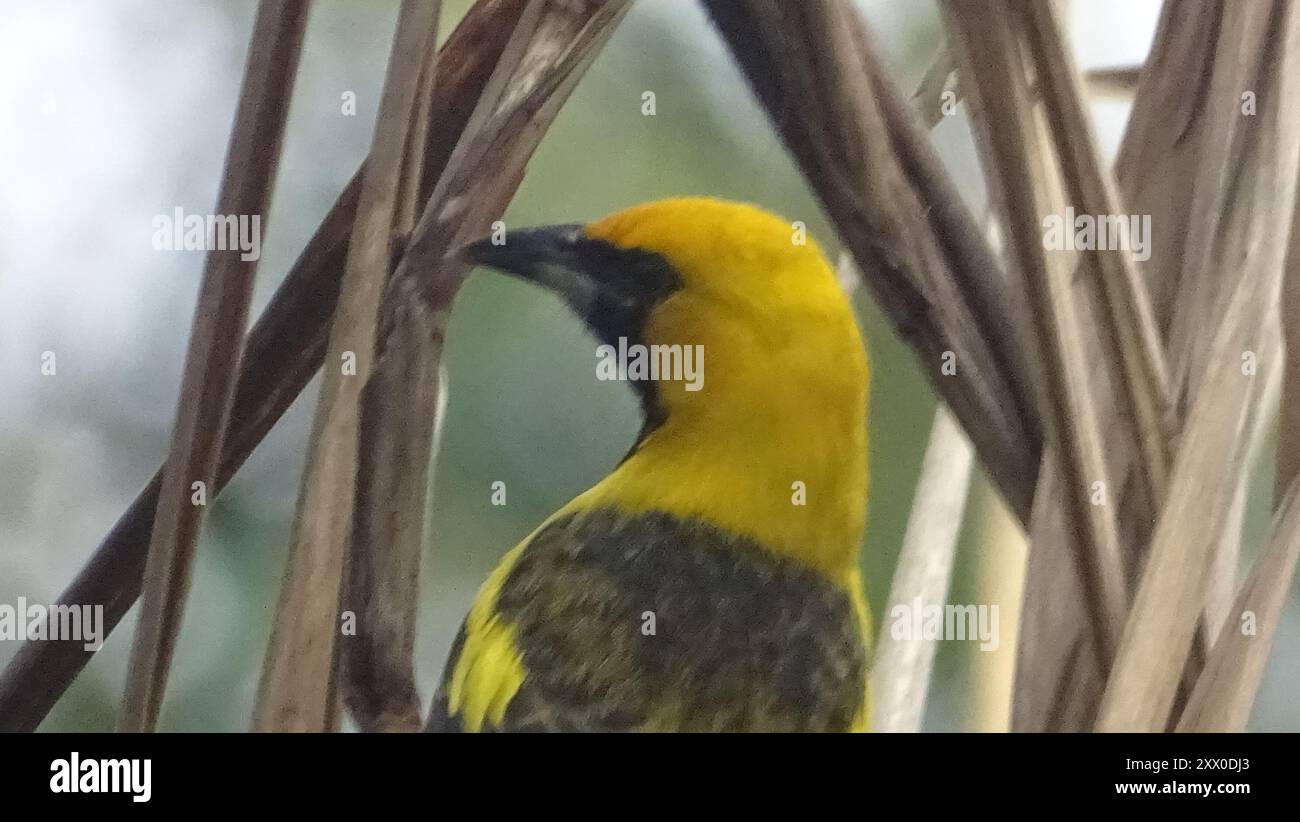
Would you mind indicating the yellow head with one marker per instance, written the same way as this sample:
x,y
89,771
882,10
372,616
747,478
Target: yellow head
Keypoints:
x,y
756,415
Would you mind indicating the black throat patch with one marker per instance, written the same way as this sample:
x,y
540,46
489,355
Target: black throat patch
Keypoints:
x,y
632,281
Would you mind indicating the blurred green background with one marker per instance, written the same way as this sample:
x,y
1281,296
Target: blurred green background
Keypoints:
x,y
142,98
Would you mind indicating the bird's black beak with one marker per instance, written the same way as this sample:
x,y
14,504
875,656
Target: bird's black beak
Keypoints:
x,y
608,286
552,256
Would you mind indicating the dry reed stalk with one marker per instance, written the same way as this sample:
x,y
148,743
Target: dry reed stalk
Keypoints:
x,y
1226,689
1232,281
1216,233
1022,179
922,254
1288,423
1175,132
1129,316
900,669
212,362
939,92
553,44
284,349
296,689
1001,551
1158,635
1058,677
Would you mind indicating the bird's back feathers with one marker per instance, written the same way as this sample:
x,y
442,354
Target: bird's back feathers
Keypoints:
x,y
650,622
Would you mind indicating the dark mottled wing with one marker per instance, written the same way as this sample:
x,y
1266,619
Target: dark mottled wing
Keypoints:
x,y
654,622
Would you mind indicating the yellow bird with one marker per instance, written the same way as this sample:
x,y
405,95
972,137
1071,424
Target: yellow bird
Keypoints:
x,y
711,582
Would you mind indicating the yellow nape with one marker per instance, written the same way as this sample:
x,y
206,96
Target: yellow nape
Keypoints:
x,y
773,444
